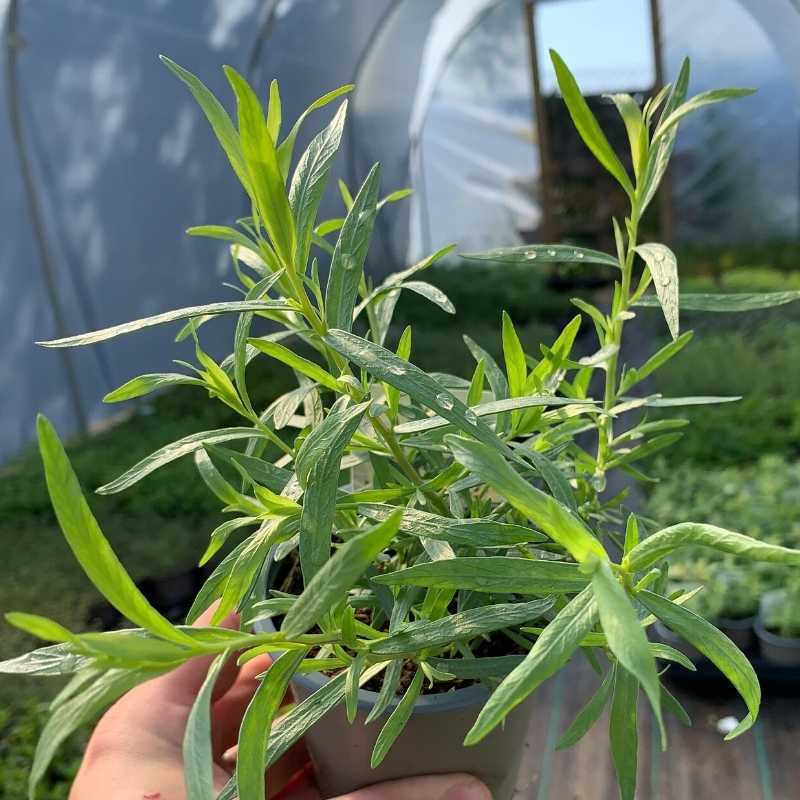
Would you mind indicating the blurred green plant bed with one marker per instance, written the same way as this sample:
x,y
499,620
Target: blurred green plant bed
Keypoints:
x,y
758,365
20,726
761,499
721,261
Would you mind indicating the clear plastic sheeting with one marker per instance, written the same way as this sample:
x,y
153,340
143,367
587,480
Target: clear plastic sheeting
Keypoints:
x,y
122,161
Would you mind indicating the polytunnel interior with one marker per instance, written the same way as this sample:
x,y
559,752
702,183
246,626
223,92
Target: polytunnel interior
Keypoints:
x,y
122,162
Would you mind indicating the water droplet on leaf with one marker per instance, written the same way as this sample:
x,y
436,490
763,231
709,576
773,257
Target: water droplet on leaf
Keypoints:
x,y
445,401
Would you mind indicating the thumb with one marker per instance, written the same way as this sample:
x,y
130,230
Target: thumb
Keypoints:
x,y
457,786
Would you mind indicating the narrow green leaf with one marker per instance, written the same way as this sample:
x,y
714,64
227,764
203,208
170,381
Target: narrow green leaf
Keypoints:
x,y
87,542
516,366
286,147
497,380
223,233
550,652
245,569
475,391
546,512
274,111
198,759
469,532
494,574
317,466
697,534
215,583
351,685
634,126
309,182
672,402
655,361
55,659
145,384
174,450
40,627
221,533
491,408
241,335
404,352
489,668
631,533
588,715
623,731
664,269
251,763
170,316
625,636
391,680
221,488
553,477
266,180
661,151
645,450
715,646
697,102
302,717
386,366
673,706
430,292
347,262
220,121
397,720
727,303
303,365
257,470
544,254
464,625
337,575
587,125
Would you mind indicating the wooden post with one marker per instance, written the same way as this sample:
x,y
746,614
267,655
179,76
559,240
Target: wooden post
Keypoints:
x,y
665,206
549,231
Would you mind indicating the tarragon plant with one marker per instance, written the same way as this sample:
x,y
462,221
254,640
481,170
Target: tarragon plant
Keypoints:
x,y
427,513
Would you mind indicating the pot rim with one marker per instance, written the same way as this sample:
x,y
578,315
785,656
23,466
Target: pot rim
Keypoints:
x,y
740,624
454,700
785,642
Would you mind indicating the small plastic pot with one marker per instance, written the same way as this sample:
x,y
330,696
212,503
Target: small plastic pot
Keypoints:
x,y
431,742
781,650
739,631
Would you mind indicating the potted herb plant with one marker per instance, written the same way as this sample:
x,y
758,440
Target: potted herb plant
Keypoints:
x,y
474,563
778,625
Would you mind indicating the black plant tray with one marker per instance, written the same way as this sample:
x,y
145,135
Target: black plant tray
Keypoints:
x,y
171,595
779,679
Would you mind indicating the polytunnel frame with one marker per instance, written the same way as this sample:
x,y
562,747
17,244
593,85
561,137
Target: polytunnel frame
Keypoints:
x,y
764,13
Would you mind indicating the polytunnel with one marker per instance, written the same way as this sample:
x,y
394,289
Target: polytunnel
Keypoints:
x,y
108,161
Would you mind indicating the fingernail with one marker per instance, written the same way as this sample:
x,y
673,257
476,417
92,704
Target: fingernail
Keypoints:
x,y
470,789
229,756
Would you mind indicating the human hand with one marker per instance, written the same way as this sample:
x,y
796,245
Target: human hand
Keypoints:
x,y
135,752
